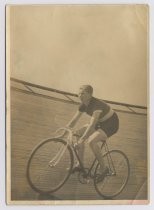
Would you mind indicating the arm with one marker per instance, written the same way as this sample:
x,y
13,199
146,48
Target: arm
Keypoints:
x,y
74,120
92,124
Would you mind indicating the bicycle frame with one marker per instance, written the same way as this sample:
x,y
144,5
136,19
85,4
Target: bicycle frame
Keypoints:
x,y
82,165
69,141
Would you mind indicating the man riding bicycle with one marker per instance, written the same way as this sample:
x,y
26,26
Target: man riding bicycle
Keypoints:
x,y
104,123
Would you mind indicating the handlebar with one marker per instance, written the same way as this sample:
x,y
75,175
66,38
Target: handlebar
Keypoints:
x,y
68,130
65,129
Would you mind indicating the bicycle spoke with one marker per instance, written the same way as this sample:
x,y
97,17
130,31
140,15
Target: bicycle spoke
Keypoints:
x,y
42,175
115,181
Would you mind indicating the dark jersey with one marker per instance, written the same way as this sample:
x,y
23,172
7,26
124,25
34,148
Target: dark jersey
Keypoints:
x,y
95,104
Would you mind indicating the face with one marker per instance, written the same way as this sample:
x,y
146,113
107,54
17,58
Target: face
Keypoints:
x,y
84,96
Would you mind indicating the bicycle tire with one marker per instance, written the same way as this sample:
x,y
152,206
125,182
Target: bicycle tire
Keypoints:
x,y
50,179
110,186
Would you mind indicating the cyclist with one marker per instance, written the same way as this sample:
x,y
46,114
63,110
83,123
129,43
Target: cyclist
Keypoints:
x,y
104,123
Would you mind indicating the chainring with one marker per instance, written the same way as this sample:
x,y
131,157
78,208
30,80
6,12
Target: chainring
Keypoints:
x,y
83,177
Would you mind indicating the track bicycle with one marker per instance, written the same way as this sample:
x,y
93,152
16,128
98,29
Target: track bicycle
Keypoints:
x,y
52,160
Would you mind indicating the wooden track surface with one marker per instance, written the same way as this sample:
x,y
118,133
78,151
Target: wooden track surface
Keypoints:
x,y
35,118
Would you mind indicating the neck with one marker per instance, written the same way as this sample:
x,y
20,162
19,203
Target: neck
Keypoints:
x,y
87,101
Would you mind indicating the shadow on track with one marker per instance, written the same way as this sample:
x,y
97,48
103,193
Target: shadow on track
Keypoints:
x,y
48,197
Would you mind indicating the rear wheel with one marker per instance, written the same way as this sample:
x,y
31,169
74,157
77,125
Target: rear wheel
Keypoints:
x,y
117,178
47,171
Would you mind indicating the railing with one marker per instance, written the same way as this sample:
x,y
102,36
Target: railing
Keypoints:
x,y
68,96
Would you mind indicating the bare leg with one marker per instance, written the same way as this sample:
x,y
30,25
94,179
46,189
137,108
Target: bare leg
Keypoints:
x,y
81,149
80,152
97,136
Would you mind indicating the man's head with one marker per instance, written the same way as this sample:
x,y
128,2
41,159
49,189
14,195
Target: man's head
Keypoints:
x,y
85,93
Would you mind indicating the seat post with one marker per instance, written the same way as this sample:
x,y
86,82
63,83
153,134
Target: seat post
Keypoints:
x,y
103,143
106,147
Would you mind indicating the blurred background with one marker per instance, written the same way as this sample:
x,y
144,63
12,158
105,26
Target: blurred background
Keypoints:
x,y
64,47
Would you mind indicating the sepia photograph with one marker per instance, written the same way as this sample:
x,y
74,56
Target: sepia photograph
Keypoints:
x,y
77,104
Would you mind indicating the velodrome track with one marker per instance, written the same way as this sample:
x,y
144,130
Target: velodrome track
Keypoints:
x,y
34,118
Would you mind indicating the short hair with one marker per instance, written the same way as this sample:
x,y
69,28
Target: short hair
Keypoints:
x,y
87,88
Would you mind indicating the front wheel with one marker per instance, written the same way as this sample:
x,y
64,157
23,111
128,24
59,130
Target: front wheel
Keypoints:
x,y
49,165
117,177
